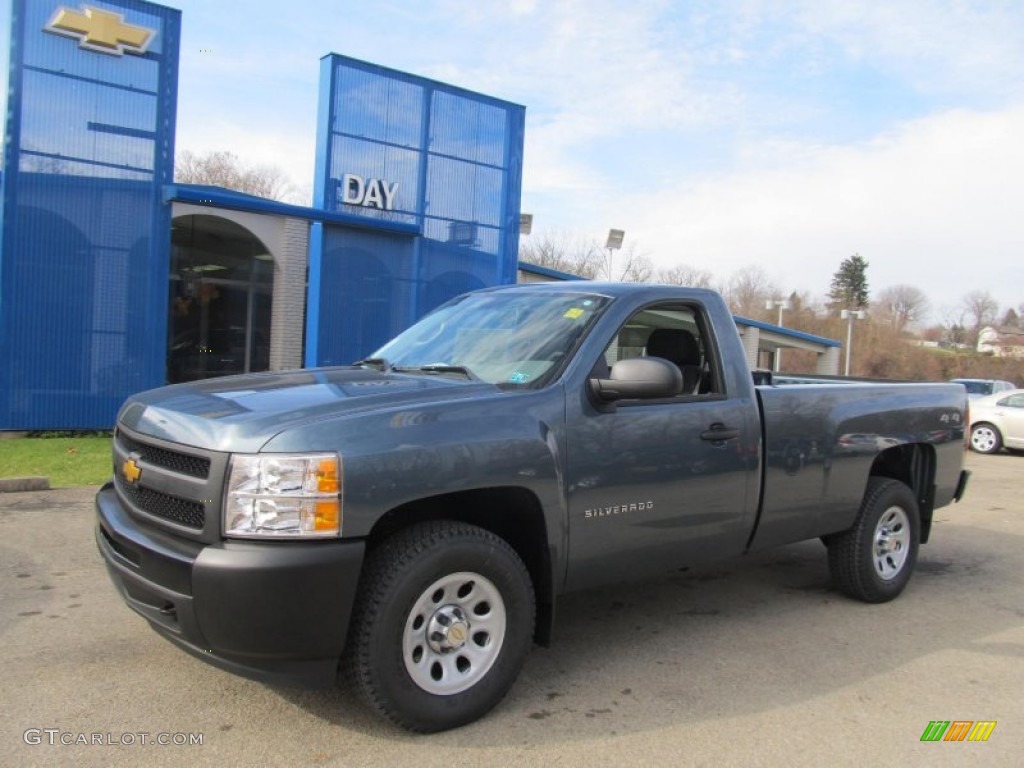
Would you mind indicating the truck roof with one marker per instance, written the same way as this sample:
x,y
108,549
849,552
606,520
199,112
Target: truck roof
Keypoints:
x,y
644,291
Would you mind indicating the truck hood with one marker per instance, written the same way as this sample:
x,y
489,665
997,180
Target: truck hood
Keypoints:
x,y
241,413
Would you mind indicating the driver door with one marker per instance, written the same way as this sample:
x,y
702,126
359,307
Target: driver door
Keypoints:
x,y
649,488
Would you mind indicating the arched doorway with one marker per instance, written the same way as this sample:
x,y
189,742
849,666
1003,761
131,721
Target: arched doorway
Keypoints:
x,y
221,288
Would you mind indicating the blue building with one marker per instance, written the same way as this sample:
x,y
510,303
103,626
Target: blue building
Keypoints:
x,y
114,279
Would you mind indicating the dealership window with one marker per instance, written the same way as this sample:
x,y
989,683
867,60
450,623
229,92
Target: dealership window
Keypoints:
x,y
221,287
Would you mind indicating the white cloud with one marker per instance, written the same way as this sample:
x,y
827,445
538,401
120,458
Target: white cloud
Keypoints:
x,y
934,204
928,201
942,46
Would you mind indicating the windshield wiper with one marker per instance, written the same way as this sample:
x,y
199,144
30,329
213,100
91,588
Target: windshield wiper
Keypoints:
x,y
381,363
444,368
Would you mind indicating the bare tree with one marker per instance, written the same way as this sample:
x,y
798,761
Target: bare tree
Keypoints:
x,y
225,169
748,290
633,266
980,309
43,164
684,274
953,326
563,252
903,305
583,256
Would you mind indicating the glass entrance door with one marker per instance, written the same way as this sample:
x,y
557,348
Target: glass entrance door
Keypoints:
x,y
221,287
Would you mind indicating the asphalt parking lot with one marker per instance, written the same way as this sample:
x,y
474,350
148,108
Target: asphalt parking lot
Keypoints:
x,y
752,662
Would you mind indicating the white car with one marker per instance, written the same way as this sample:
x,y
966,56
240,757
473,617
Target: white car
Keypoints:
x,y
997,421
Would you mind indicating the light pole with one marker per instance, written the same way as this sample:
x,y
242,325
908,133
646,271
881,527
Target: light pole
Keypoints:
x,y
614,243
849,315
782,304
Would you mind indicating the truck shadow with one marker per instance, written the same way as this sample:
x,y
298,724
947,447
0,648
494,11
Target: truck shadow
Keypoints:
x,y
744,636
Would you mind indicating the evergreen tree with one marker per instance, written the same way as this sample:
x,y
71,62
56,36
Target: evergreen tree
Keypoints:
x,y
850,284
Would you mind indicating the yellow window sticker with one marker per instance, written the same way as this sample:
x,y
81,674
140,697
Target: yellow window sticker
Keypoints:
x,y
573,313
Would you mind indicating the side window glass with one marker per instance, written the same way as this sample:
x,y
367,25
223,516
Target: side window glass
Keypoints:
x,y
1013,401
671,333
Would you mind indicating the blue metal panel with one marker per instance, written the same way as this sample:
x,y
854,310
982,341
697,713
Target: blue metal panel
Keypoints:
x,y
469,129
365,296
324,119
84,254
507,265
374,160
457,159
373,104
461,191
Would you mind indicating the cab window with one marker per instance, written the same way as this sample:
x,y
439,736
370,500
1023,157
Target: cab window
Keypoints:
x,y
672,333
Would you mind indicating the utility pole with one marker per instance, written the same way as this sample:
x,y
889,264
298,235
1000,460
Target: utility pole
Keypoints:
x,y
849,315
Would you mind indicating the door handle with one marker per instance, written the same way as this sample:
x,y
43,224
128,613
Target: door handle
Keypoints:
x,y
719,433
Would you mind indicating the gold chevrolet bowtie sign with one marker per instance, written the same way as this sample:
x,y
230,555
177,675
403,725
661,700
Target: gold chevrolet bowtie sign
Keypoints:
x,y
131,471
102,31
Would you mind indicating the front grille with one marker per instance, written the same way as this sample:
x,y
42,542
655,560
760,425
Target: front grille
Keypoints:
x,y
191,514
195,466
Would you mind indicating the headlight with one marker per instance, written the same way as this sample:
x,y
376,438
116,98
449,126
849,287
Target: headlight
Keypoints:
x,y
283,496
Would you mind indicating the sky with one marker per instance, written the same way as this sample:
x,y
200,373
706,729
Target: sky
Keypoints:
x,y
721,134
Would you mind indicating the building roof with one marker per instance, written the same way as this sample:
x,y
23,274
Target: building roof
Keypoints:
x,y
783,331
219,197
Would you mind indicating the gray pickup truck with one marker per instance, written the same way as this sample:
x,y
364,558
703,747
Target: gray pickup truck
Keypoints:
x,y
412,519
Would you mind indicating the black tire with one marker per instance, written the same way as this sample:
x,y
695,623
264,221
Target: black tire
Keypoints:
x,y
874,560
442,625
986,438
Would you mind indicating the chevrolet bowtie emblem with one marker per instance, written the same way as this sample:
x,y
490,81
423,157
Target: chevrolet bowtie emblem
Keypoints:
x,y
131,471
102,31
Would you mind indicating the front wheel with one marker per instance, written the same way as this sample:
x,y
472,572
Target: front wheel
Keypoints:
x,y
443,624
985,438
873,561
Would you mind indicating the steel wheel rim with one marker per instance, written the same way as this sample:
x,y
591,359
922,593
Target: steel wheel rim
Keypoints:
x,y
454,633
983,439
891,543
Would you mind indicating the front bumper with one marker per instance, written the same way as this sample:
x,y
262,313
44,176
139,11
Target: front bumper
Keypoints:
x,y
273,611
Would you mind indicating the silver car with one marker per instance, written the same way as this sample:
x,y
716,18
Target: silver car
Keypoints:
x,y
997,421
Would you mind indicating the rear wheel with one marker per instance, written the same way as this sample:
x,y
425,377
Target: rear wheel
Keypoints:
x,y
873,561
442,627
986,438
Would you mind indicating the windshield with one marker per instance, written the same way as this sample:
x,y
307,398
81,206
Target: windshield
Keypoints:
x,y
505,338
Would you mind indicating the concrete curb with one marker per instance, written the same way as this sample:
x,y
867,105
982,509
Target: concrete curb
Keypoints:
x,y
20,484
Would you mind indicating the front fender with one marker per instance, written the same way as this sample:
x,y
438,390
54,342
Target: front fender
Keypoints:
x,y
394,457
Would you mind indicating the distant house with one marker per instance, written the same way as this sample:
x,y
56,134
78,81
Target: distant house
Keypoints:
x,y
1003,341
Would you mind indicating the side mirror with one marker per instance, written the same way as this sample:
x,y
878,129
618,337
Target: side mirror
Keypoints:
x,y
639,378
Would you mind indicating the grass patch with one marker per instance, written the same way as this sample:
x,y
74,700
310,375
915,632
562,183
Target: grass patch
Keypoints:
x,y
66,461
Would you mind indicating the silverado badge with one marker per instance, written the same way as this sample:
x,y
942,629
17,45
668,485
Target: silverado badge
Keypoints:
x,y
131,471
